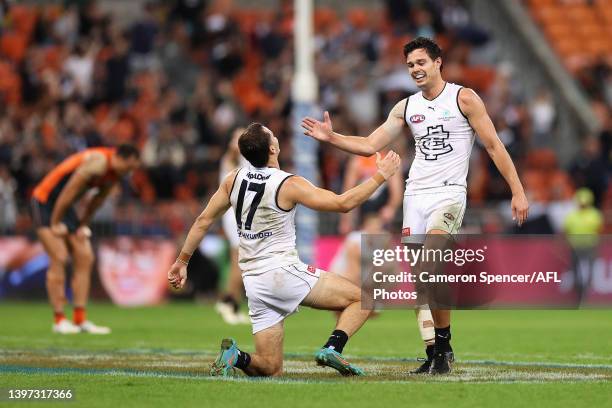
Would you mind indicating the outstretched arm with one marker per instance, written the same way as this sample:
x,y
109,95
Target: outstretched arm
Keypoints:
x,y
364,146
473,108
298,190
216,207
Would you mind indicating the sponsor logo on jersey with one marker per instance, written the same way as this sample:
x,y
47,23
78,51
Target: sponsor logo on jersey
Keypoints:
x,y
406,232
311,269
434,143
257,176
446,115
417,118
257,235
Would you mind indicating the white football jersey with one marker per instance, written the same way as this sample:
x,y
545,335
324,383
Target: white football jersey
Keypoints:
x,y
266,231
443,142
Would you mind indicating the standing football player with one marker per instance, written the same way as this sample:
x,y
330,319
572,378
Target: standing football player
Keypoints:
x,y
443,119
63,232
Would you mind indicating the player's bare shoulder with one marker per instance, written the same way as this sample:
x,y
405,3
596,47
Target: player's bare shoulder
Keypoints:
x,y
469,102
94,164
227,184
396,122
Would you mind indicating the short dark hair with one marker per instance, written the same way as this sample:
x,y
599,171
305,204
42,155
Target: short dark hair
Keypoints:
x,y
125,151
431,48
254,144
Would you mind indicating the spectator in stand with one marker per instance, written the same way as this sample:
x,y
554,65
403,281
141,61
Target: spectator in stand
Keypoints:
x,y
589,170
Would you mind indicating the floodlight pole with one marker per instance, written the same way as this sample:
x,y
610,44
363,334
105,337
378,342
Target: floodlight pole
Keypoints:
x,y
304,94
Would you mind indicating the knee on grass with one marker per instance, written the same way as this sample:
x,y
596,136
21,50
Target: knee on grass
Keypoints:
x,y
270,369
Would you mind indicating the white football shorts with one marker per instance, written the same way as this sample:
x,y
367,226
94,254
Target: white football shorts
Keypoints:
x,y
275,294
429,211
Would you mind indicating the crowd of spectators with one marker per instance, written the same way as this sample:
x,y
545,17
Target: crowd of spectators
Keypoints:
x,y
178,77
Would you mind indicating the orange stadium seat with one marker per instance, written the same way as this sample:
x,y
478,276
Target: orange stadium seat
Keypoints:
x,y
550,15
558,30
13,45
23,19
568,46
541,3
478,77
582,14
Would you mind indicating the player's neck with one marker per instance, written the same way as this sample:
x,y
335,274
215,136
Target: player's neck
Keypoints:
x,y
274,163
434,90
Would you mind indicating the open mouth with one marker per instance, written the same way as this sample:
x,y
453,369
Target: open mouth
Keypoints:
x,y
418,77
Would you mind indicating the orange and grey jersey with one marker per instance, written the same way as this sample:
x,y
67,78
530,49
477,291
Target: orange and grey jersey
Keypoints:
x,y
443,142
266,231
52,184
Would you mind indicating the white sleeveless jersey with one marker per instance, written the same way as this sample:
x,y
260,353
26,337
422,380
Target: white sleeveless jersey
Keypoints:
x,y
266,231
443,142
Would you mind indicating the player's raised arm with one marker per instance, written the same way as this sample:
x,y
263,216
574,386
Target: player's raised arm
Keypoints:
x,y
94,165
298,190
364,146
216,207
473,108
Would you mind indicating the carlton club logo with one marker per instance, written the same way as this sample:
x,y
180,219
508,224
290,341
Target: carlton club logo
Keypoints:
x,y
434,143
417,118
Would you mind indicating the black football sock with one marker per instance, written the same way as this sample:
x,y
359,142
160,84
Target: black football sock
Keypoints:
x,y
229,299
429,350
243,361
337,341
443,337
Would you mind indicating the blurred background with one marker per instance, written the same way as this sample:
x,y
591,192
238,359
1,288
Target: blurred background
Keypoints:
x,y
176,78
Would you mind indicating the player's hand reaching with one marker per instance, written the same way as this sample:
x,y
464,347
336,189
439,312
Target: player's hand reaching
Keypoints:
x,y
177,275
388,165
520,208
321,131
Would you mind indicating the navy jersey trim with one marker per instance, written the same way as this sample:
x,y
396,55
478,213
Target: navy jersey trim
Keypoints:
x,y
459,107
406,111
234,182
437,96
278,190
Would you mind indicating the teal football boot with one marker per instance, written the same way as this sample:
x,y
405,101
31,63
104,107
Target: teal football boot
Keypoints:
x,y
331,358
224,364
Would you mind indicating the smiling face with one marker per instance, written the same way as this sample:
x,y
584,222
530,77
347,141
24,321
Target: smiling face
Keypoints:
x,y
424,71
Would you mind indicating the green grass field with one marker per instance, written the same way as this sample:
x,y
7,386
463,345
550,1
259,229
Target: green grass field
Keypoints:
x,y
160,357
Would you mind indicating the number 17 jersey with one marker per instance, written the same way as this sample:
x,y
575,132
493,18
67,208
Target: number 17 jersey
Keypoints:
x,y
266,231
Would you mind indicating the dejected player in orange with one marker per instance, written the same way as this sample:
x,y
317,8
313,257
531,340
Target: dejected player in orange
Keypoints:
x,y
63,232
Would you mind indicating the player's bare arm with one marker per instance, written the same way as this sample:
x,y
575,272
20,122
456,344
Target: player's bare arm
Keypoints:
x,y
216,207
473,108
364,146
298,190
94,203
396,195
94,165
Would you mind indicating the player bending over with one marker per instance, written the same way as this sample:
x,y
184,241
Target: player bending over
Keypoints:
x,y
264,199
443,119
62,232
